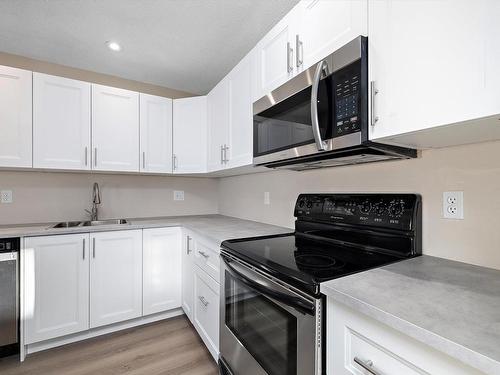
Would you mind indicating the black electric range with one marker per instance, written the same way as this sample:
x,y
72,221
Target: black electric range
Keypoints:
x,y
336,235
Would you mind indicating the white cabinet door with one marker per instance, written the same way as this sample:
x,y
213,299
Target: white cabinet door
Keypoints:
x,y
188,246
433,63
162,273
190,135
240,138
115,277
156,134
15,117
206,310
218,122
325,26
56,291
273,57
115,129
61,122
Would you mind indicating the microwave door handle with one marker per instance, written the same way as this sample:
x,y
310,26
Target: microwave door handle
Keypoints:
x,y
299,304
320,68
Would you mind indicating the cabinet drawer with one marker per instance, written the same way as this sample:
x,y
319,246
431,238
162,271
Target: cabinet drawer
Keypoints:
x,y
206,310
382,349
207,258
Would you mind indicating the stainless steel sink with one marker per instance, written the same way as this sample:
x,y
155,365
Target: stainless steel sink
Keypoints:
x,y
72,224
67,224
104,222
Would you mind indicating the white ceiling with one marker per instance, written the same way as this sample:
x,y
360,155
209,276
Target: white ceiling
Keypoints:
x,y
187,45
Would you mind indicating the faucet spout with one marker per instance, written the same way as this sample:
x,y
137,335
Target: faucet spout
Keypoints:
x,y
96,199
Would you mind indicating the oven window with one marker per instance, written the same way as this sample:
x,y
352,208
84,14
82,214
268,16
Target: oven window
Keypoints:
x,y
288,123
267,331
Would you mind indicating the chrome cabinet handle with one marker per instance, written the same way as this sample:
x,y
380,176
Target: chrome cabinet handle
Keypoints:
x,y
188,250
93,247
83,249
143,160
320,68
289,57
86,156
373,92
174,162
299,51
203,254
95,156
367,365
226,147
221,154
203,301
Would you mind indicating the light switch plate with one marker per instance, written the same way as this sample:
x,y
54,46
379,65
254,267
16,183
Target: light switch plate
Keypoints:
x,y
178,195
6,196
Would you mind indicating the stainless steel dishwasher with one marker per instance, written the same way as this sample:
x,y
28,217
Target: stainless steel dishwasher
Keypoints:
x,y
9,296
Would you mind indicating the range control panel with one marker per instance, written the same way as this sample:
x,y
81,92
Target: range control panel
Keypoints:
x,y
9,244
394,211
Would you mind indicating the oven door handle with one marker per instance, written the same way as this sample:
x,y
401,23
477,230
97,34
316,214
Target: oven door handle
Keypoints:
x,y
266,288
320,68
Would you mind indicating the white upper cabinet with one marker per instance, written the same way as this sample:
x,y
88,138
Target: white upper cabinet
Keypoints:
x,y
190,135
218,122
116,277
230,125
434,63
61,122
115,129
162,270
156,134
325,26
239,150
15,117
273,57
56,286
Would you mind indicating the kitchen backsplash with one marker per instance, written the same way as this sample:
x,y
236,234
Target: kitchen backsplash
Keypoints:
x,y
473,169
43,197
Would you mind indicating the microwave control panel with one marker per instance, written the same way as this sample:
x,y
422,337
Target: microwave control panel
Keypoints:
x,y
346,83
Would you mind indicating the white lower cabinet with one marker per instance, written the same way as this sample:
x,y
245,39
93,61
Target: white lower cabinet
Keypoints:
x,y
115,277
56,286
354,340
161,285
206,310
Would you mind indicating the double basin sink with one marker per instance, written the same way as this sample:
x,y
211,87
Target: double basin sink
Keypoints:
x,y
72,224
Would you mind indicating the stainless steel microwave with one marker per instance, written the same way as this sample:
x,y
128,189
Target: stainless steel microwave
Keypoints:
x,y
320,117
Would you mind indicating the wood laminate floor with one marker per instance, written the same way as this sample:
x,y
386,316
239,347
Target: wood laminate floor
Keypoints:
x,y
167,347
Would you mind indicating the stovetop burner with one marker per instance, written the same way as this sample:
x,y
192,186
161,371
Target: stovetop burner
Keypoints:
x,y
317,262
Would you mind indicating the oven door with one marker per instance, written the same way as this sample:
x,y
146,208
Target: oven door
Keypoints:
x,y
266,328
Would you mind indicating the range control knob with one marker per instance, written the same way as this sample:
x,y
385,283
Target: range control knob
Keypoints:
x,y
396,209
309,204
365,207
301,204
379,208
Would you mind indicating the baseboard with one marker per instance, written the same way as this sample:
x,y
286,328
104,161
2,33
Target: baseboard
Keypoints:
x,y
48,344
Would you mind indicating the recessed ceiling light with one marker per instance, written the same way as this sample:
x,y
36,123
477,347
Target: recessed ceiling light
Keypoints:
x,y
113,46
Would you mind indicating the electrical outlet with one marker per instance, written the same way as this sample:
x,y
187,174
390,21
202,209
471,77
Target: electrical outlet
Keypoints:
x,y
6,196
178,195
453,204
267,198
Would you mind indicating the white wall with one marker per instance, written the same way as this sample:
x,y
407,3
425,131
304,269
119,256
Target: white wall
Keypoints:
x,y
57,196
474,169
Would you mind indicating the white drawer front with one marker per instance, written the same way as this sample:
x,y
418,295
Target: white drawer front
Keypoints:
x,y
206,310
384,350
207,258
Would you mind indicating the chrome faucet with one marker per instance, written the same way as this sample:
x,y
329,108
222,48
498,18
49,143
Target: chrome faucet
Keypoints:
x,y
96,199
